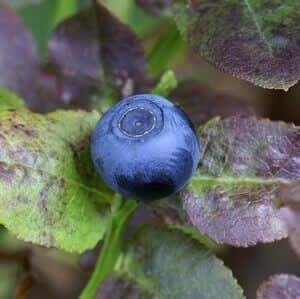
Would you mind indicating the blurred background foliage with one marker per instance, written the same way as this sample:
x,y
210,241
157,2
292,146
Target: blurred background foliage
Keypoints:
x,y
162,43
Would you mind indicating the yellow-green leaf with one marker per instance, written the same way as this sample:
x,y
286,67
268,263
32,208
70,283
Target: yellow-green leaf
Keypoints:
x,y
49,192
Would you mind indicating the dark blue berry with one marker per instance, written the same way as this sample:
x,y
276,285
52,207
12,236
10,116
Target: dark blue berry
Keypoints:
x,y
145,147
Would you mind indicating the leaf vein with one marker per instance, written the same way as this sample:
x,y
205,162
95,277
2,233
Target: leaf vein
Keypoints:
x,y
258,27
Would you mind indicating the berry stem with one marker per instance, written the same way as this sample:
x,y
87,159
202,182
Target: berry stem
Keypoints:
x,y
167,83
111,249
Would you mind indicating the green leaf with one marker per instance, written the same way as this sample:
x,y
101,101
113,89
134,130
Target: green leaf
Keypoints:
x,y
50,192
168,264
280,286
234,196
8,100
257,41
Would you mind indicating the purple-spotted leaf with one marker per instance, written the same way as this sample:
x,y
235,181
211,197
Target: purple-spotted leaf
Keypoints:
x,y
258,41
233,197
50,192
169,264
290,196
202,103
281,286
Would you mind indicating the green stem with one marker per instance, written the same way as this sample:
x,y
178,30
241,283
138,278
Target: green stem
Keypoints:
x,y
111,249
165,51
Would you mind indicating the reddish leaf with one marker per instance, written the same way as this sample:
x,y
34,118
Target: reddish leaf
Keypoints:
x,y
20,68
80,48
201,103
88,43
122,53
257,41
233,196
19,62
281,286
74,48
74,55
